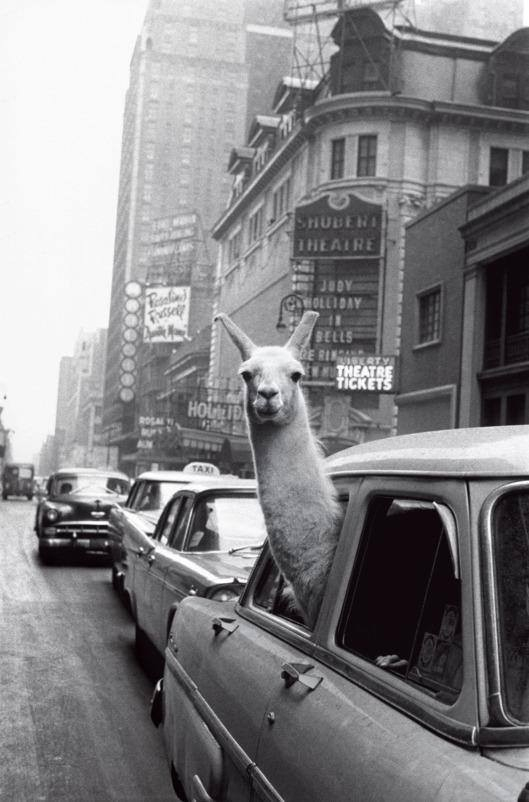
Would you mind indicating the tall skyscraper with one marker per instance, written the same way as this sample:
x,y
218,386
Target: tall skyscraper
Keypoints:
x,y
186,108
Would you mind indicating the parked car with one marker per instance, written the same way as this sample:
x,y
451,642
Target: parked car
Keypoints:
x,y
139,514
413,684
204,544
74,515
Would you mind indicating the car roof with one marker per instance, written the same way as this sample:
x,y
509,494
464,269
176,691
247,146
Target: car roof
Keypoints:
x,y
501,451
182,476
90,472
219,483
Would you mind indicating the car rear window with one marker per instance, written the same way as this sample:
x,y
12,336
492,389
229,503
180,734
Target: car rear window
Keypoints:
x,y
67,484
222,523
153,496
511,556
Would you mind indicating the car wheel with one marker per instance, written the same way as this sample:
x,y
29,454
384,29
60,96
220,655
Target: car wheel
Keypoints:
x,y
141,642
115,580
4,496
30,498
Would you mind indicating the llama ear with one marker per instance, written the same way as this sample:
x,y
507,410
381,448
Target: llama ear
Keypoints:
x,y
241,340
301,335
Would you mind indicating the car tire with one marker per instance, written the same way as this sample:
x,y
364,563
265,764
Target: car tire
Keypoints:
x,y
4,496
115,580
141,642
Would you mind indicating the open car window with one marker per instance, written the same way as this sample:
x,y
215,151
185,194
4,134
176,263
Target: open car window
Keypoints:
x,y
403,606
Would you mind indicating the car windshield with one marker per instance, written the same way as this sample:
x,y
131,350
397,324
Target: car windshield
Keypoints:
x,y
511,554
68,484
155,495
223,523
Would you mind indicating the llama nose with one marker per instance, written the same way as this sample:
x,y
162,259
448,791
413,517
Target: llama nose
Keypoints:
x,y
267,391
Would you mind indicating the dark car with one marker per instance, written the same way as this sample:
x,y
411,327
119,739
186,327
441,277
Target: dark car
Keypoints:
x,y
205,544
413,683
73,518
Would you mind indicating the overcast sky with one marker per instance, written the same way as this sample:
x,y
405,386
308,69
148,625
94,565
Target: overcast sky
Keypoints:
x,y
64,67
63,75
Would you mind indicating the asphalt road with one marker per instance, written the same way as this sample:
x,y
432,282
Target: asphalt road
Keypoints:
x,y
74,701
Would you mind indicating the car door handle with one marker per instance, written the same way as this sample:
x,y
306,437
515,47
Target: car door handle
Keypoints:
x,y
226,624
297,672
150,558
199,792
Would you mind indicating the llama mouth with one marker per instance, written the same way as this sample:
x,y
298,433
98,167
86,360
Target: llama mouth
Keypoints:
x,y
267,413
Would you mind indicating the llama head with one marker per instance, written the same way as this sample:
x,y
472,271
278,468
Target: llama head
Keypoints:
x,y
272,373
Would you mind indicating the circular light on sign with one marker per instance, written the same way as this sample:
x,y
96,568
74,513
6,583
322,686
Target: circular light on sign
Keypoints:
x,y
130,335
128,365
128,349
133,289
126,394
131,320
132,305
126,379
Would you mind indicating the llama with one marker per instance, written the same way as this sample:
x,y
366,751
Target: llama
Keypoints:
x,y
298,499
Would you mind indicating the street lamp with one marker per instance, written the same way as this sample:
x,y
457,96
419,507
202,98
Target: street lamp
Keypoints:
x,y
291,305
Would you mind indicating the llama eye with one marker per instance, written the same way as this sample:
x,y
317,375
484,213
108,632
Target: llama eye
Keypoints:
x,y
246,375
296,376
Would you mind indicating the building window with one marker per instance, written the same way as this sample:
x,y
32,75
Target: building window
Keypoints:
x,y
370,76
337,158
430,316
367,155
234,247
255,225
498,168
280,200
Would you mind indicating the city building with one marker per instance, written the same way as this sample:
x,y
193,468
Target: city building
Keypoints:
x,y
78,434
465,344
196,70
326,183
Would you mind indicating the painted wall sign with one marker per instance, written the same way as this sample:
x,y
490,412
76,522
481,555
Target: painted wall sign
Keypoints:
x,y
337,226
166,314
372,374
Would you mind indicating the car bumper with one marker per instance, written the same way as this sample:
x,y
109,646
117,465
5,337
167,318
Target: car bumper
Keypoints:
x,y
90,539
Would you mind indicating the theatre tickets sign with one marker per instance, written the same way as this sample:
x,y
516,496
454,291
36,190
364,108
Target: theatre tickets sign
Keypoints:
x,y
337,226
367,374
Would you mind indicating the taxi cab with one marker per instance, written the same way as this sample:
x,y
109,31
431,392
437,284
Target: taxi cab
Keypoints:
x,y
413,684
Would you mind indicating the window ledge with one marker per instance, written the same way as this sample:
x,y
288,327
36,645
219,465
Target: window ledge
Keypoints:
x,y
429,344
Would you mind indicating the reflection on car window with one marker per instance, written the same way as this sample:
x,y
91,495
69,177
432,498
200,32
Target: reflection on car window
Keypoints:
x,y
79,484
167,522
403,608
222,523
273,594
511,554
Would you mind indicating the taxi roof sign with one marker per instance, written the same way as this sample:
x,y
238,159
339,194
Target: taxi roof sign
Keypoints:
x,y
204,468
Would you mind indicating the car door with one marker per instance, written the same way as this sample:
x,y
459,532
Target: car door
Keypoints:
x,y
388,693
161,561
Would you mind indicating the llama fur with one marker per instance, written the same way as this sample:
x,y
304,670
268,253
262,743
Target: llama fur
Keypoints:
x,y
298,499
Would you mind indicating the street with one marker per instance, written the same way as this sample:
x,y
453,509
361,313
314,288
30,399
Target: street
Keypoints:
x,y
75,701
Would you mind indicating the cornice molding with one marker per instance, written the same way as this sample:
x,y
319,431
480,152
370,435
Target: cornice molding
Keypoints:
x,y
343,108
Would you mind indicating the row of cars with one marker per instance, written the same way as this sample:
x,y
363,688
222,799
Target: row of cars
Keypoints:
x,y
413,683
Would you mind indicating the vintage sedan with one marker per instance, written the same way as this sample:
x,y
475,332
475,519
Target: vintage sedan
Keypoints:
x,y
136,519
73,518
204,544
413,684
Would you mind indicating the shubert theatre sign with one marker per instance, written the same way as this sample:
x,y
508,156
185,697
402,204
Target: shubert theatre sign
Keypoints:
x,y
337,226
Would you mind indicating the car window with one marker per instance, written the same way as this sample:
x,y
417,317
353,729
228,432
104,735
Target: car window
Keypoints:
x,y
118,485
273,594
166,523
180,526
511,555
135,490
403,606
221,523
